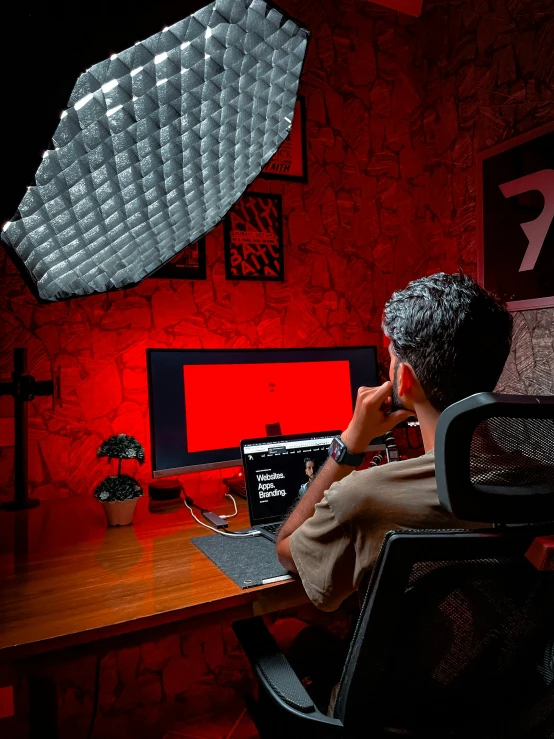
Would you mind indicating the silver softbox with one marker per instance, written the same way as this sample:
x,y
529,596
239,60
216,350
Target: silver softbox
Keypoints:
x,y
157,143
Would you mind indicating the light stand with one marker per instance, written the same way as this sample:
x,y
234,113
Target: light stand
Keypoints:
x,y
22,388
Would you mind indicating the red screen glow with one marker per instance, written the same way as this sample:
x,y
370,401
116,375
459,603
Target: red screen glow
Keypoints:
x,y
228,403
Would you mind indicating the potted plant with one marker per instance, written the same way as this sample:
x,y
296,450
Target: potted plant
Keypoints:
x,y
119,493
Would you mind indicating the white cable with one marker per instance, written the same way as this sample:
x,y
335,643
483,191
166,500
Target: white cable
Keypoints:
x,y
218,531
231,515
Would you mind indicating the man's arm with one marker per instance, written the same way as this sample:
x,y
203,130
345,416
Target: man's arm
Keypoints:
x,y
370,419
330,472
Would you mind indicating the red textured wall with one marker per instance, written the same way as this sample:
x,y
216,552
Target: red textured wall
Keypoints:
x,y
397,109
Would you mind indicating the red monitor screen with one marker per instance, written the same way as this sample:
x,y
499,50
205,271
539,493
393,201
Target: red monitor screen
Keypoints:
x,y
245,399
203,403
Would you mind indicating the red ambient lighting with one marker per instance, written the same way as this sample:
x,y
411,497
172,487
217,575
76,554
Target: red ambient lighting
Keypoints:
x,y
227,403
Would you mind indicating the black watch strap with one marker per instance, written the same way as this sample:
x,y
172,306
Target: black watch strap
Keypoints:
x,y
354,460
341,455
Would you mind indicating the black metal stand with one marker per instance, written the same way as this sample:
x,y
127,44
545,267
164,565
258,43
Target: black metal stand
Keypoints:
x,y
22,388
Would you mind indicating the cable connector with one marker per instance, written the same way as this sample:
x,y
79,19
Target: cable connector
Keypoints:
x,y
190,504
215,520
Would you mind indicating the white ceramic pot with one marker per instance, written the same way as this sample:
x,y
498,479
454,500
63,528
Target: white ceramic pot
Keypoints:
x,y
120,512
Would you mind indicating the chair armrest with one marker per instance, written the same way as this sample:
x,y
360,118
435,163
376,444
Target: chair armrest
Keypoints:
x,y
268,660
275,673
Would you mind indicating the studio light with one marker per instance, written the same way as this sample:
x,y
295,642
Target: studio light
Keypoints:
x,y
156,145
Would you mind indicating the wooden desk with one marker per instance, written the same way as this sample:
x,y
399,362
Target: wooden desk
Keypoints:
x,y
66,579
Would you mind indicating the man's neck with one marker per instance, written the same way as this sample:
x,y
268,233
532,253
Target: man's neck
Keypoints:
x,y
428,418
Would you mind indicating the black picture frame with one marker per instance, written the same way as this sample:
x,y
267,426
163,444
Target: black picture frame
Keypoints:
x,y
258,255
292,155
184,266
515,189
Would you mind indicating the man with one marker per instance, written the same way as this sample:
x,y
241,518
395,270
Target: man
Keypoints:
x,y
309,469
448,339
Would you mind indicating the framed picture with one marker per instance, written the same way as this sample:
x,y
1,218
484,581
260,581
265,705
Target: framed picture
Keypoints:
x,y
515,219
189,264
253,231
290,161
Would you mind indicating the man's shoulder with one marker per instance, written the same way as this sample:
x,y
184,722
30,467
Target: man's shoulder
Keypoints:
x,y
396,484
416,468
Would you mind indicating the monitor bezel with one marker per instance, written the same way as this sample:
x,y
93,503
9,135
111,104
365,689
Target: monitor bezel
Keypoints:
x,y
271,440
235,460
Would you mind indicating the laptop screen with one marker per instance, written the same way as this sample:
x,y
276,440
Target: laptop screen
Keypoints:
x,y
279,469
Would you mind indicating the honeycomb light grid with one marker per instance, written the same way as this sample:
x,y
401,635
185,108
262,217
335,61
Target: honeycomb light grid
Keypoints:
x,y
156,145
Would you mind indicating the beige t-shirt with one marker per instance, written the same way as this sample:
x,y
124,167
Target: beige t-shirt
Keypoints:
x,y
340,543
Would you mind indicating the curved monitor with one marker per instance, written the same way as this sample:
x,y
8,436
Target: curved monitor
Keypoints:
x,y
203,403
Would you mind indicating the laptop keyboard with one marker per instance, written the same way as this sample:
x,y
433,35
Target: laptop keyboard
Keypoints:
x,y
271,528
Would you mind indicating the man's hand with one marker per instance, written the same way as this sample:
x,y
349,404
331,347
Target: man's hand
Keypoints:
x,y
372,417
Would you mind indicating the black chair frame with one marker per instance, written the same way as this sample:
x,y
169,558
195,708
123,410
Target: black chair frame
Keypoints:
x,y
375,633
375,698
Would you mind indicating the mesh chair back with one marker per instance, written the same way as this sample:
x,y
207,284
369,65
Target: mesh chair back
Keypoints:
x,y
454,647
455,639
494,457
473,637
512,452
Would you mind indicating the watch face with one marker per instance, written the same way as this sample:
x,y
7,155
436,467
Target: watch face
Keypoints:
x,y
336,449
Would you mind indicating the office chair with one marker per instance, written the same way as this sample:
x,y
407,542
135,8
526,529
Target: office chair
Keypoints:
x,y
455,639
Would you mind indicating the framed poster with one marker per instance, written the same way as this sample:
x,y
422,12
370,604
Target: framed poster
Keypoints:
x,y
515,219
189,264
253,231
290,161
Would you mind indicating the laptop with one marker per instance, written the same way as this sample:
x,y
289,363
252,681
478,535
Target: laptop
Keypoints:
x,y
277,472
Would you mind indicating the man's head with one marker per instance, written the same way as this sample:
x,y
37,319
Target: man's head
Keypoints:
x,y
309,466
449,338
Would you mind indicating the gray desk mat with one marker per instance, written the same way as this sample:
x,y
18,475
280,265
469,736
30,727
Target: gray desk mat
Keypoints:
x,y
248,561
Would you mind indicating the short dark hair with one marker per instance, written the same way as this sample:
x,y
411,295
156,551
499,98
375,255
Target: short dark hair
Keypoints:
x,y
455,335
306,460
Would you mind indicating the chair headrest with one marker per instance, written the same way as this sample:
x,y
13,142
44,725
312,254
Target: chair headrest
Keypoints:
x,y
494,458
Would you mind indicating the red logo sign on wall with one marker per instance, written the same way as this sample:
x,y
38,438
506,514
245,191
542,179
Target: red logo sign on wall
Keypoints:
x,y
516,219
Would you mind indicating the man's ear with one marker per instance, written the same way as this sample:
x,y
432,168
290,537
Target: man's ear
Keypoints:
x,y
405,379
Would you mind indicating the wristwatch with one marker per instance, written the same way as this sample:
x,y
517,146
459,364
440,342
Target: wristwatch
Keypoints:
x,y
341,455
